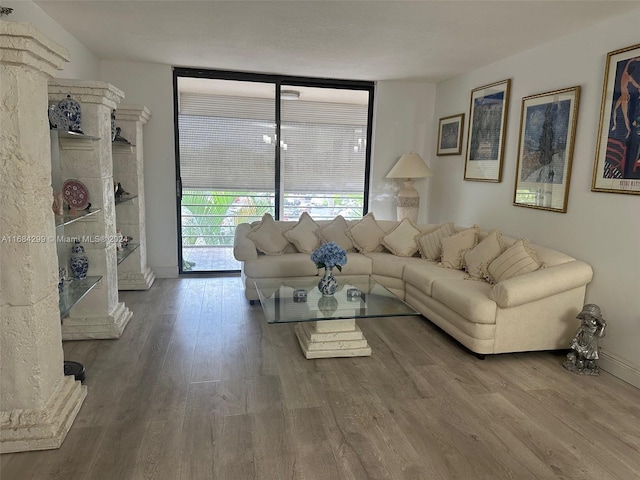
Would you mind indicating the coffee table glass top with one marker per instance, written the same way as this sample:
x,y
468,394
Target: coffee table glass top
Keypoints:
x,y
355,298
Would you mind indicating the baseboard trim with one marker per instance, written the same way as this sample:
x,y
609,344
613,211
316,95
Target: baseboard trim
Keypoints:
x,y
170,271
620,368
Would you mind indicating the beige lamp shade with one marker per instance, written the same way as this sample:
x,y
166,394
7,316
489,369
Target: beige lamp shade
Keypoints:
x,y
410,165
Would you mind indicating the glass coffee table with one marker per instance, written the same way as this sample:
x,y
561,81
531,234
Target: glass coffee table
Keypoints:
x,y
326,326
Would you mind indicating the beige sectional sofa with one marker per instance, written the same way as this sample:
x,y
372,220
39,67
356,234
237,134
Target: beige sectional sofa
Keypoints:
x,y
491,292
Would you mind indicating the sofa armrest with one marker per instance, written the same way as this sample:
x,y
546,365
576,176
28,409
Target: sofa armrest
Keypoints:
x,y
243,247
541,283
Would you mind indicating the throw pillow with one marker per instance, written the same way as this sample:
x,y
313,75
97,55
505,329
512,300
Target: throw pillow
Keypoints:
x,y
430,245
336,231
455,246
516,260
366,234
268,237
478,258
303,235
401,241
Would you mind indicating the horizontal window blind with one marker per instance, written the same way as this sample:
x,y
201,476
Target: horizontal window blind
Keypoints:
x,y
227,143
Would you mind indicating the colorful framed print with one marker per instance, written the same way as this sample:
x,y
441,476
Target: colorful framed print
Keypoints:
x,y
617,164
545,150
450,135
487,124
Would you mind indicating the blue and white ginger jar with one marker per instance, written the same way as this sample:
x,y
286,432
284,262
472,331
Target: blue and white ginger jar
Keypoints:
x,y
79,262
71,109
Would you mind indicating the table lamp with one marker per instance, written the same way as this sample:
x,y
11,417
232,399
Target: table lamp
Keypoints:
x,y
408,167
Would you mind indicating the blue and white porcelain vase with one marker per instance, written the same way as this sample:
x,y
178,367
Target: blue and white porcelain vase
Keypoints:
x,y
328,283
72,111
79,262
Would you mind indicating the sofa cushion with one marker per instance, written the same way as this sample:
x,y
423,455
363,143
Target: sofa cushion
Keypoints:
x,y
357,264
401,240
430,244
336,231
366,234
303,235
422,275
282,266
516,260
268,237
478,258
469,299
390,265
455,246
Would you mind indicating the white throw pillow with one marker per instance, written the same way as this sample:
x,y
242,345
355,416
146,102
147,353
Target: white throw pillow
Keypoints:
x,y
366,234
478,258
336,231
401,241
303,235
455,246
516,260
268,237
430,244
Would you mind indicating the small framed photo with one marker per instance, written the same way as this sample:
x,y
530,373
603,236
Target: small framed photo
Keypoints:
x,y
545,149
487,125
617,164
450,135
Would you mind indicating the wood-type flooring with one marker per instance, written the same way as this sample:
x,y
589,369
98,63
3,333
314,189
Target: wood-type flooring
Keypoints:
x,y
199,387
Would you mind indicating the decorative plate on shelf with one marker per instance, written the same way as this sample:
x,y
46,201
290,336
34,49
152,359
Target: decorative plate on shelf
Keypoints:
x,y
75,194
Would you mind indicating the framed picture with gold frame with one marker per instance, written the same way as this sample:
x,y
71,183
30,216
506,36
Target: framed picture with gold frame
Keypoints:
x,y
450,135
617,164
487,125
545,149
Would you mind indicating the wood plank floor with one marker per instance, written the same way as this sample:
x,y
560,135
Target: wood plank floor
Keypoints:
x,y
199,387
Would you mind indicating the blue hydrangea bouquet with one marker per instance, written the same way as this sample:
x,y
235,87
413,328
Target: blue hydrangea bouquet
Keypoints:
x,y
329,255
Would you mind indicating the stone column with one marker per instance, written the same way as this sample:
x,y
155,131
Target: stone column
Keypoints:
x,y
128,169
38,403
99,314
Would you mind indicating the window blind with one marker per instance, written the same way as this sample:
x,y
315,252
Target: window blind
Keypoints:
x,y
227,143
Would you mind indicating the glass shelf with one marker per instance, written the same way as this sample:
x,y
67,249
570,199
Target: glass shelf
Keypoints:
x,y
126,251
125,198
73,291
121,143
67,218
63,134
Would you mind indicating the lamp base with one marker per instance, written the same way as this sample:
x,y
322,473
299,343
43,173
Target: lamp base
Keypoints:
x,y
408,202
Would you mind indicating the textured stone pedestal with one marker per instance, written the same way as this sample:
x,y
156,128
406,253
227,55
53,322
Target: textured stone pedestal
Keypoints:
x,y
128,169
332,338
37,402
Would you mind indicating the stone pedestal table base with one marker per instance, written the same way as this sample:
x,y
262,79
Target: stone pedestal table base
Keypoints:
x,y
332,338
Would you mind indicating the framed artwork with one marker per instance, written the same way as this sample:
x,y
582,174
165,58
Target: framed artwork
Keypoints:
x,y
450,135
617,164
487,123
545,149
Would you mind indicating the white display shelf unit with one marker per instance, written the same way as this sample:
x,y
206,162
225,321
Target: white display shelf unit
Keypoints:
x,y
128,169
97,312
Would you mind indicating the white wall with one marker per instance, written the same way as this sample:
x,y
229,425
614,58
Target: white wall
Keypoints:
x,y
151,85
84,65
600,228
403,119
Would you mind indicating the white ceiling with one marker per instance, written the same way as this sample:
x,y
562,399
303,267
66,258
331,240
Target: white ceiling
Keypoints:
x,y
360,40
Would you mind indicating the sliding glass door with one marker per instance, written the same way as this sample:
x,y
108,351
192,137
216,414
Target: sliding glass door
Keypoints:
x,y
240,154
